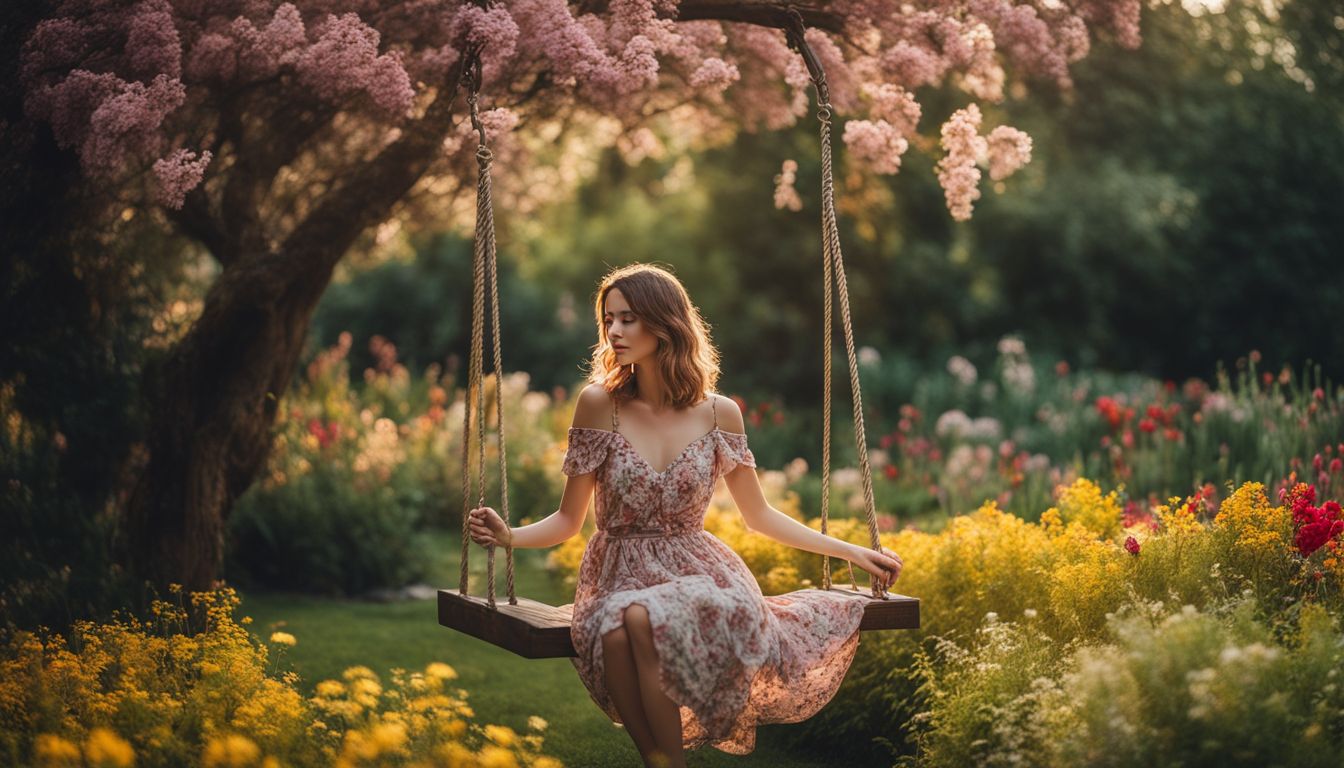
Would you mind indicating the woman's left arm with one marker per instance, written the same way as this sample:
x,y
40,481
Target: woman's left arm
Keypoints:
x,y
757,513
762,518
884,565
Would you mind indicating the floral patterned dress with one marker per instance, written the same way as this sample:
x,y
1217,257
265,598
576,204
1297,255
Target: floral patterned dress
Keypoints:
x,y
729,656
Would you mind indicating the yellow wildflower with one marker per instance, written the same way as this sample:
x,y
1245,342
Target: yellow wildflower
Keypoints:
x,y
52,751
440,670
330,688
537,723
232,750
104,747
283,638
1260,527
453,755
389,737
1178,517
497,757
366,686
1051,522
1083,503
501,735
358,671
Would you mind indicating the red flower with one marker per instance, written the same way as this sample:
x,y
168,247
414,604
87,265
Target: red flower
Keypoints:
x,y
1313,536
1132,545
1172,434
1315,525
1111,411
890,471
1147,425
1336,465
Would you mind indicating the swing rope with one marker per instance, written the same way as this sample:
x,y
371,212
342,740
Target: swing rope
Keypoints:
x,y
484,269
834,271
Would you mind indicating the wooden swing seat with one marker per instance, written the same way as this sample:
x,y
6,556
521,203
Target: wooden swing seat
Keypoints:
x,y
536,630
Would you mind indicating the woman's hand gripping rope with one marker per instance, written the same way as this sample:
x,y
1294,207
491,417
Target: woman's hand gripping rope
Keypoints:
x,y
488,529
884,566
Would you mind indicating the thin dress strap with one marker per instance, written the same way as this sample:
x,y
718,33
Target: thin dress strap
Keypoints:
x,y
615,406
714,406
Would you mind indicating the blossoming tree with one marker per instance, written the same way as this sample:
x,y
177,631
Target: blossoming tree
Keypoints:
x,y
275,133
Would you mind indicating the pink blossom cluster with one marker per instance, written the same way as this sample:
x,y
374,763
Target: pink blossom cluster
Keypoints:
x,y
786,195
957,171
880,142
344,62
115,106
1005,150
1009,150
178,174
715,74
875,143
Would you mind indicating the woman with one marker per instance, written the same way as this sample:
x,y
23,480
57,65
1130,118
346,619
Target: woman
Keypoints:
x,y
673,635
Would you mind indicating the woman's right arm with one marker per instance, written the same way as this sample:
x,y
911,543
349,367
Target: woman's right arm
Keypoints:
x,y
591,411
565,522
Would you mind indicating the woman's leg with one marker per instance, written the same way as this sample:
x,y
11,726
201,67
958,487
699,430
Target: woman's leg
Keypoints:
x,y
664,716
623,685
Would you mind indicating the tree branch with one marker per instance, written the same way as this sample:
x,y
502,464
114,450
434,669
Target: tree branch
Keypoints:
x,y
370,191
766,13
195,220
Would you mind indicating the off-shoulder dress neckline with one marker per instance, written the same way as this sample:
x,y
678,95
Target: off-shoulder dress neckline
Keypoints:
x,y
679,456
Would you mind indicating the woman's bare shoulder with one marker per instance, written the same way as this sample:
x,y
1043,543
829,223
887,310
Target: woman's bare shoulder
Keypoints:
x,y
593,410
728,414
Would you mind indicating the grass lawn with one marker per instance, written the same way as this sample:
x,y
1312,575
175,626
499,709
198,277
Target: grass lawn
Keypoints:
x,y
503,688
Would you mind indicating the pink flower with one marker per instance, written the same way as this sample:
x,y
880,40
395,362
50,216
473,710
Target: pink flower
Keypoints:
x,y
178,174
786,196
715,74
956,171
878,144
345,61
1009,149
1132,545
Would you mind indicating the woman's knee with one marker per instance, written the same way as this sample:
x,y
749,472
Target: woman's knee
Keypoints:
x,y
616,640
639,628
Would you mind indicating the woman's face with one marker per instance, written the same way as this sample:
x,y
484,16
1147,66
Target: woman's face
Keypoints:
x,y
626,332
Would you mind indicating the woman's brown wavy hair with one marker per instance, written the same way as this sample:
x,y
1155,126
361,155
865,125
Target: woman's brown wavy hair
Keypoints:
x,y
686,357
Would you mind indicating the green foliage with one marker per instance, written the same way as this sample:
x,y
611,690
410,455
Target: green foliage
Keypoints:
x,y
320,533
424,308
1180,687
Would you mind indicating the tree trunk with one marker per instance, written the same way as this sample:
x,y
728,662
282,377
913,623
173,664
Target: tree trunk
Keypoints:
x,y
213,403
